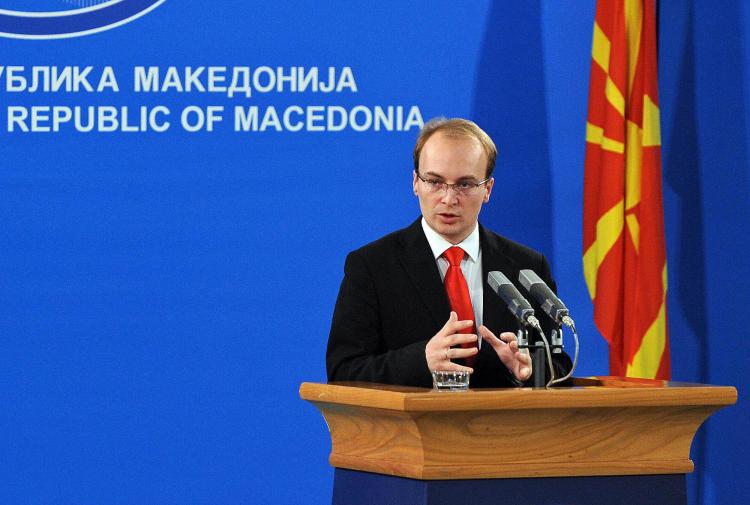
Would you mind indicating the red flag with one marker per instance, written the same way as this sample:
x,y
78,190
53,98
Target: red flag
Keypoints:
x,y
624,260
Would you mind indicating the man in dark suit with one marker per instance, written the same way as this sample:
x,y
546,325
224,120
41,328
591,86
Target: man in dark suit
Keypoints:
x,y
394,321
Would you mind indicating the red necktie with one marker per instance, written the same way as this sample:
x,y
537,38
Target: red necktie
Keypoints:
x,y
458,294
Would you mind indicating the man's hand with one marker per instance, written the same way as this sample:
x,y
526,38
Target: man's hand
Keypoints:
x,y
507,350
439,350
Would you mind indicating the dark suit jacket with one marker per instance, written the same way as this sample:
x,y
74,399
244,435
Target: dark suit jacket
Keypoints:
x,y
392,301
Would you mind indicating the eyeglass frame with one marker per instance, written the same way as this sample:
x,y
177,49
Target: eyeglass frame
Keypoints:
x,y
444,186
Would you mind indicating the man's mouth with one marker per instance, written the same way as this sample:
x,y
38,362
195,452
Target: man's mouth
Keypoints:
x,y
448,217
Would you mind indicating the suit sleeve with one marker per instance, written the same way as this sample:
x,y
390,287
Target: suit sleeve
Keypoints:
x,y
356,348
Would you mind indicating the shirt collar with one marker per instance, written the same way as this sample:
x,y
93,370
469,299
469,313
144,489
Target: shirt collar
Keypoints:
x,y
439,245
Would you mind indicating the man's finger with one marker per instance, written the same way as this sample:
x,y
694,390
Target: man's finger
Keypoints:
x,y
524,365
524,358
524,373
463,353
461,338
508,337
451,319
453,325
485,332
491,339
496,344
453,367
456,326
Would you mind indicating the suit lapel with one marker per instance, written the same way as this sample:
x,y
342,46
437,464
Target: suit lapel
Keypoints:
x,y
494,311
422,269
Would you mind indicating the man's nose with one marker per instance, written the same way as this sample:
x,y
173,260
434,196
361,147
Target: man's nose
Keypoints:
x,y
450,195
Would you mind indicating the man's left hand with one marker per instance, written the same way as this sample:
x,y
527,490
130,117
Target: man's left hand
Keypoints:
x,y
507,350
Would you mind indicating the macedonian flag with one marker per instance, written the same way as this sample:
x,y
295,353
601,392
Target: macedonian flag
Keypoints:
x,y
624,259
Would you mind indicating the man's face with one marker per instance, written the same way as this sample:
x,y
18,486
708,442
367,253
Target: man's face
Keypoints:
x,y
452,160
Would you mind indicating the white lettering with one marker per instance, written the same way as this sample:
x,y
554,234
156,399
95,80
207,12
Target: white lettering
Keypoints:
x,y
35,79
80,79
331,81
346,80
246,119
17,115
296,126
360,126
172,80
216,79
309,79
108,80
270,76
414,119
238,85
281,78
192,79
146,81
330,118
270,118
60,115
315,113
60,78
14,83
336,124
104,118
107,119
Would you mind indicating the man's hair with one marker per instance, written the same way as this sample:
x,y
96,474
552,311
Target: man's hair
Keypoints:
x,y
456,127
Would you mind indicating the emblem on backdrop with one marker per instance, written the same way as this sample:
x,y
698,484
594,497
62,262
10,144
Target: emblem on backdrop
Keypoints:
x,y
55,19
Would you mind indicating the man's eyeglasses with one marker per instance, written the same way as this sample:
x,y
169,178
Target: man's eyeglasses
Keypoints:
x,y
463,188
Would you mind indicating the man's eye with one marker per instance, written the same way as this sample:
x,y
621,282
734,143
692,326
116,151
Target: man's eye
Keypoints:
x,y
434,182
465,185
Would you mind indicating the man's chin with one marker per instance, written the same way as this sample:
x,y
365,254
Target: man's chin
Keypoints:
x,y
451,233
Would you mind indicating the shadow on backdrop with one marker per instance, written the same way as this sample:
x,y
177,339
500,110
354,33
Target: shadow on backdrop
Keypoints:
x,y
708,142
721,69
510,105
682,173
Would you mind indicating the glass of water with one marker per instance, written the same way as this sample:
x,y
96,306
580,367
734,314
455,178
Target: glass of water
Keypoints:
x,y
443,380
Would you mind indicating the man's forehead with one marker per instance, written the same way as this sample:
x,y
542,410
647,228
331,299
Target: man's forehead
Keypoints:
x,y
437,174
441,144
457,156
456,139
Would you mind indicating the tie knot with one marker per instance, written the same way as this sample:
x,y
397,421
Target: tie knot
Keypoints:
x,y
454,255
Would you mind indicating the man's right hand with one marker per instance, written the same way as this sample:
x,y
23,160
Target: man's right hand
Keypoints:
x,y
439,350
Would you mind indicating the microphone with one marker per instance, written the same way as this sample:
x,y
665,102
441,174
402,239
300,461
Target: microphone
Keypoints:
x,y
517,304
550,303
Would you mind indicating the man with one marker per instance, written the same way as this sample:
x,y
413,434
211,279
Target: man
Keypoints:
x,y
397,314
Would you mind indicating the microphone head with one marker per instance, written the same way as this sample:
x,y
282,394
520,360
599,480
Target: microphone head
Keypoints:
x,y
496,279
544,296
528,278
517,304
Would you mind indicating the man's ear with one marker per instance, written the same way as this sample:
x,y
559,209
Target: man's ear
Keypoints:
x,y
489,185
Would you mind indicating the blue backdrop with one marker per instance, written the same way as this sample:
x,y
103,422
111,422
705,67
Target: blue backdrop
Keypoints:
x,y
164,294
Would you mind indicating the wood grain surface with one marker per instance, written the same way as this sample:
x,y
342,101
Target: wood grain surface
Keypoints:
x,y
601,426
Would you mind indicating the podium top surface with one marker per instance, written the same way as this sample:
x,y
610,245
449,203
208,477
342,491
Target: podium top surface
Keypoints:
x,y
585,393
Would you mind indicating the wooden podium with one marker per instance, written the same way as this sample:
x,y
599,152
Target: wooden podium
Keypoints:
x,y
591,436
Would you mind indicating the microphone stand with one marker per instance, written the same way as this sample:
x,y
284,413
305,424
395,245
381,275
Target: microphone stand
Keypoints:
x,y
539,363
522,336
556,340
539,355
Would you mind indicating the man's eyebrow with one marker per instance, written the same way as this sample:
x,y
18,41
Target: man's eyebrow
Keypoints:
x,y
466,178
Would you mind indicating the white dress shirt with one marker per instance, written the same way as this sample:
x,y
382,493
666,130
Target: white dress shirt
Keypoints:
x,y
471,265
